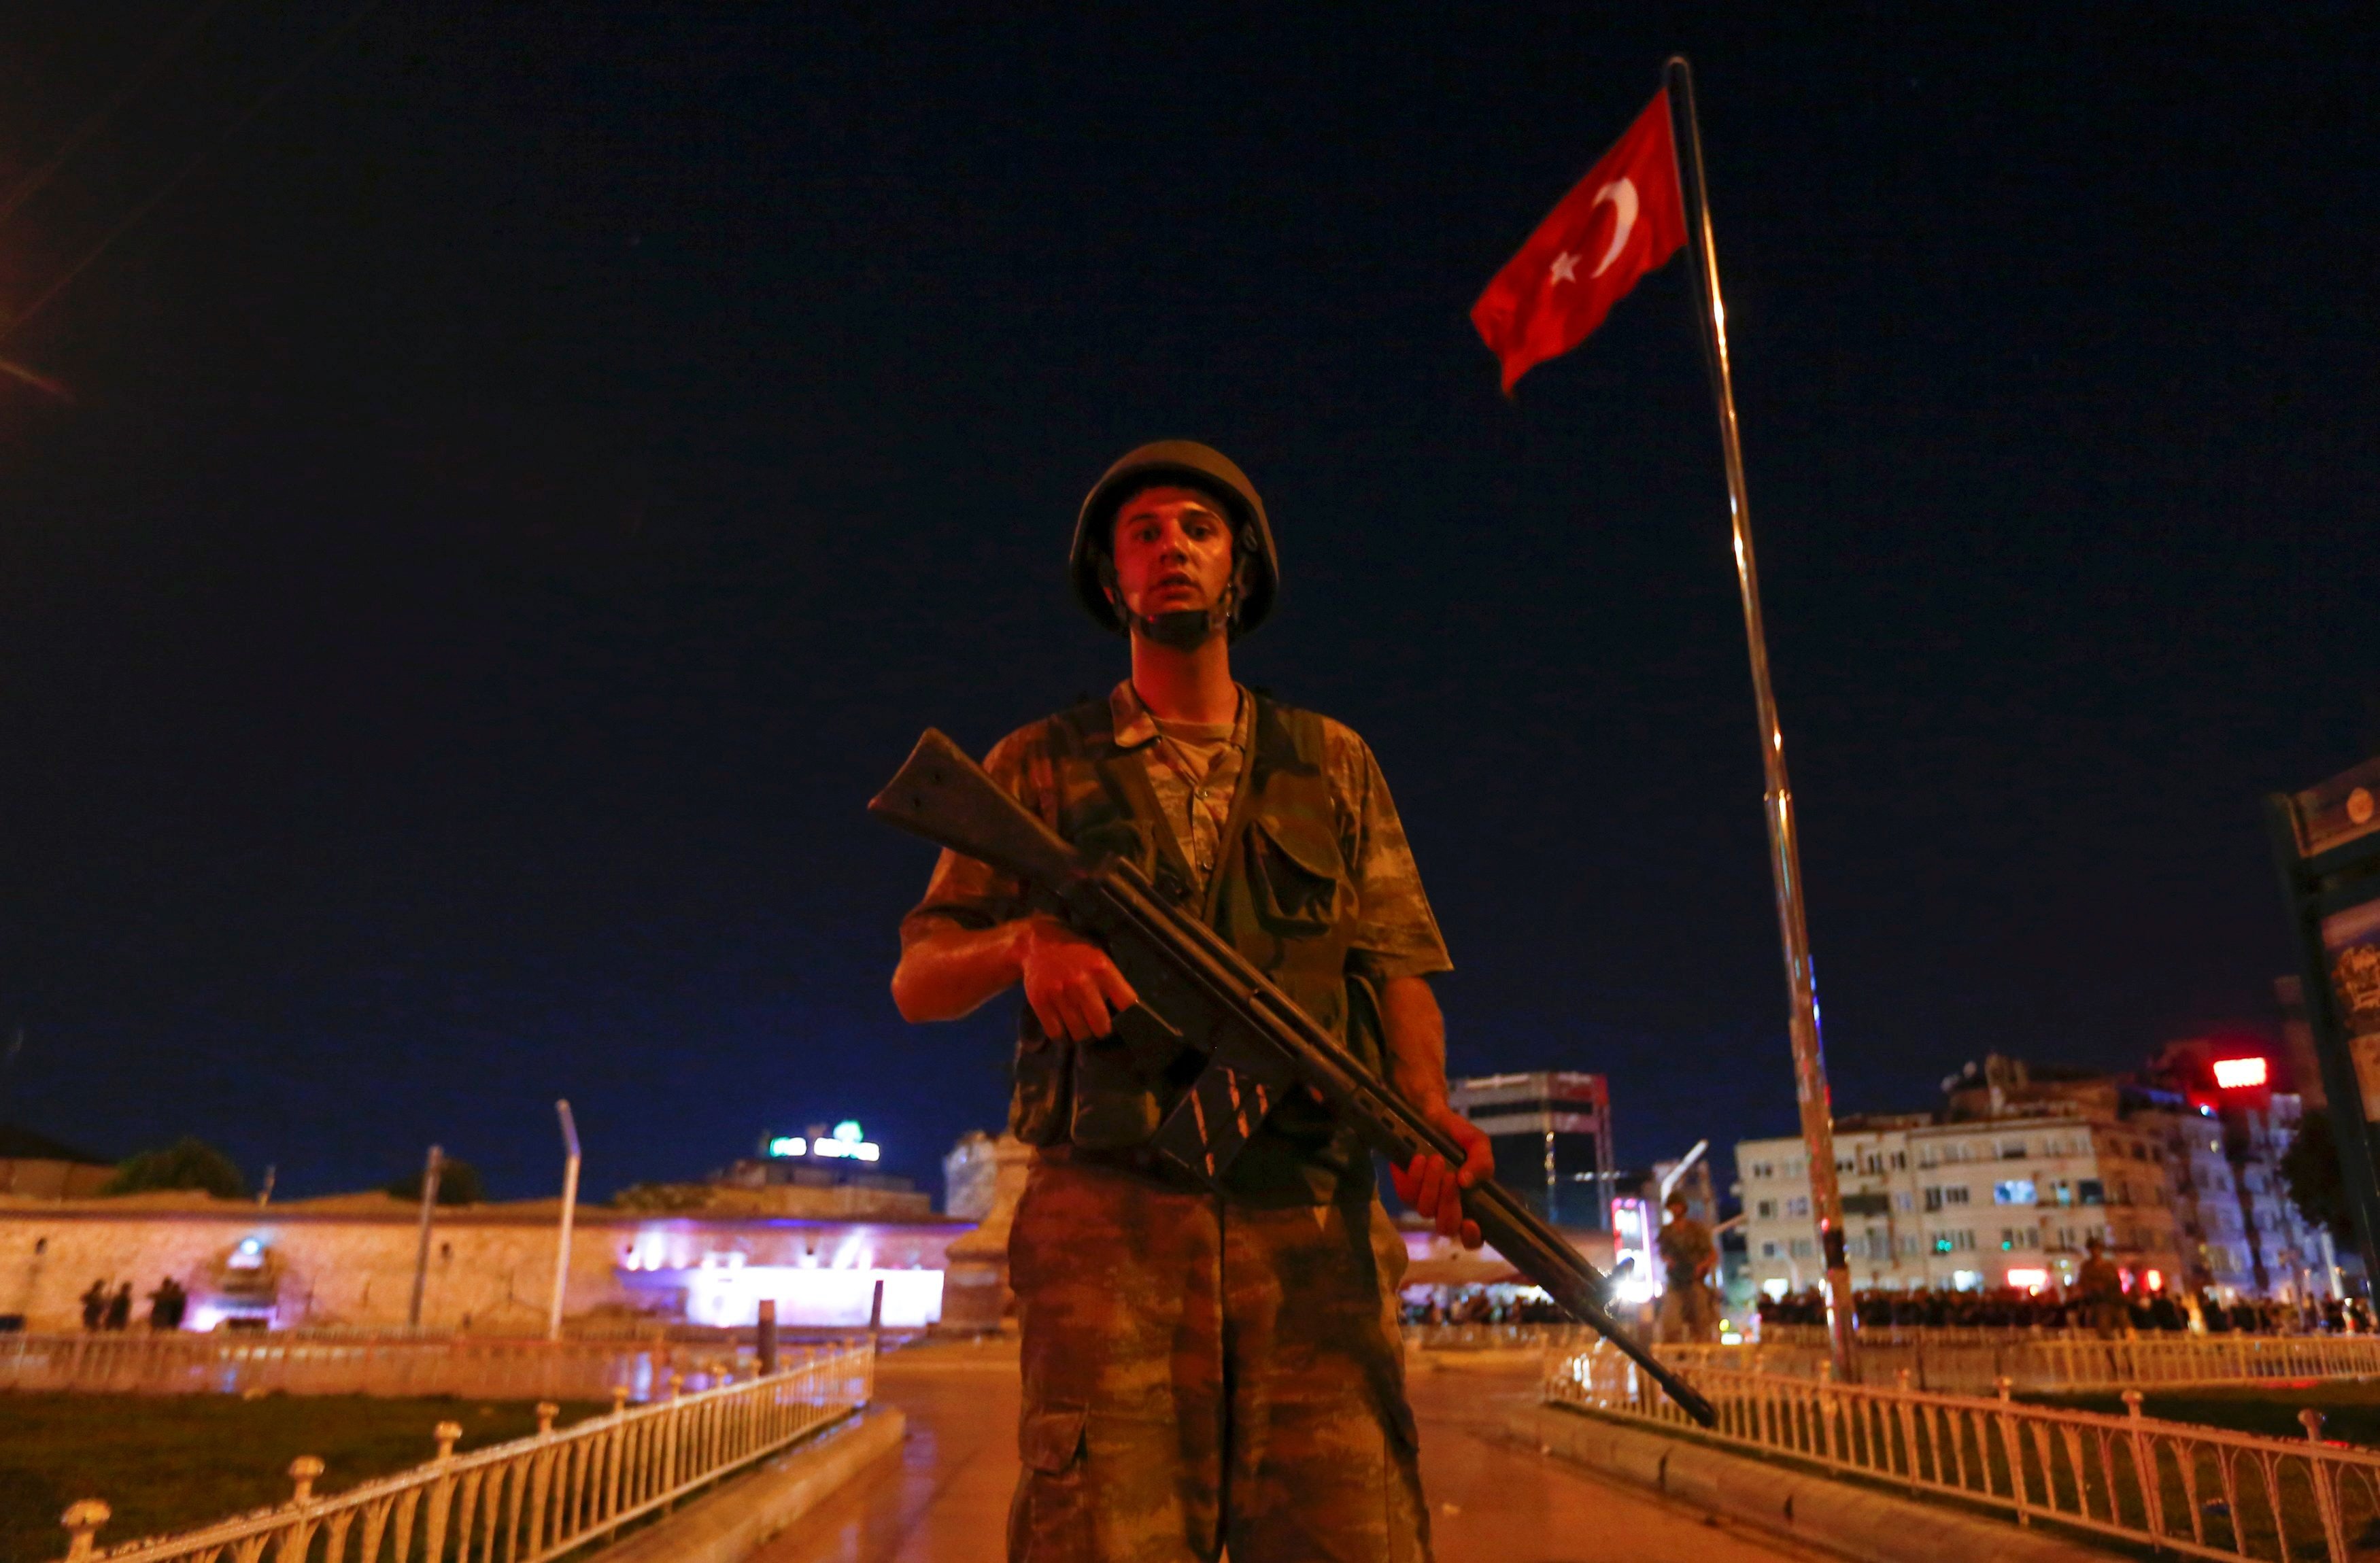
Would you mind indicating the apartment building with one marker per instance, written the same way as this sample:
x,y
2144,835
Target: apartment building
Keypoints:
x,y
1966,1204
2218,1247
2289,1255
2176,1171
2243,1096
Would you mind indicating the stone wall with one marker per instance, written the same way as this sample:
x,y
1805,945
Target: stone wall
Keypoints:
x,y
349,1260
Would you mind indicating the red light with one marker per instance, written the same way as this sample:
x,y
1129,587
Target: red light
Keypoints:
x,y
2239,1074
2154,1282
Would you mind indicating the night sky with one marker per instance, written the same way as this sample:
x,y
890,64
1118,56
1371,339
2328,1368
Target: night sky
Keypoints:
x,y
527,486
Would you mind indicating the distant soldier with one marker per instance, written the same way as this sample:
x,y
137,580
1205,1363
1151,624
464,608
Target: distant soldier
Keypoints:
x,y
1688,1309
94,1305
166,1304
2102,1288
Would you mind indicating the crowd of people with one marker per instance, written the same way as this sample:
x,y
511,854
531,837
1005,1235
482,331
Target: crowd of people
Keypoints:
x,y
111,1308
1480,1308
2143,1312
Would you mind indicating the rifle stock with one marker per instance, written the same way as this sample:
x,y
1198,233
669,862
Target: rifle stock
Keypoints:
x,y
1256,1038
943,796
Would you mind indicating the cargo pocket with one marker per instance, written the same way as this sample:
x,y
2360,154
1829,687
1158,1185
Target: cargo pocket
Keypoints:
x,y
1042,1101
1050,1516
1296,876
1050,1440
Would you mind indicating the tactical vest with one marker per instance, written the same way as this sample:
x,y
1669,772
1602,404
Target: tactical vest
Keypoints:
x,y
1281,893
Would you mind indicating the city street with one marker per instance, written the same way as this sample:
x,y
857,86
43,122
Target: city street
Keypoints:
x,y
947,1502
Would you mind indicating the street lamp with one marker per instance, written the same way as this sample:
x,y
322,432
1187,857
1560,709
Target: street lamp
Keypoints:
x,y
569,1207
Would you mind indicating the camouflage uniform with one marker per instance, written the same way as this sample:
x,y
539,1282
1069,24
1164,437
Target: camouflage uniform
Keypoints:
x,y
1688,1311
2102,1288
1205,1370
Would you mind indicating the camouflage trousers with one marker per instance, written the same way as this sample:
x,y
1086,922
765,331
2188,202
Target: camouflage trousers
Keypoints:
x,y
1200,1374
1689,1312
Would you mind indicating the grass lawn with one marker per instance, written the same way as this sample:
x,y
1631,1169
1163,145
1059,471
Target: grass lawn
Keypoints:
x,y
168,1462
2350,1407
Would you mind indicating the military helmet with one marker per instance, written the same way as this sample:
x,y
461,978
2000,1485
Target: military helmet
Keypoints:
x,y
1192,465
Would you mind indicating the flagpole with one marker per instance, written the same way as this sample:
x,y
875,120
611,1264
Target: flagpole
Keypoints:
x,y
1784,847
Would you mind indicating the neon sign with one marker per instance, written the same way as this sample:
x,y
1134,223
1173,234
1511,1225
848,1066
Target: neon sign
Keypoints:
x,y
846,1143
849,1141
2239,1074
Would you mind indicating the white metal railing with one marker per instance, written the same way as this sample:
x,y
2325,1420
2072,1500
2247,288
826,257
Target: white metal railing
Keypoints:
x,y
2202,1492
1773,1334
1997,1335
310,1363
533,1498
2066,1365
1494,1337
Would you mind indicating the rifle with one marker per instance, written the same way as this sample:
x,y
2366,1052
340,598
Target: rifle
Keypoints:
x,y
1197,993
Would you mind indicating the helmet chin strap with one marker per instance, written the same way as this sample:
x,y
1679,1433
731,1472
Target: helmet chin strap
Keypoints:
x,y
1184,629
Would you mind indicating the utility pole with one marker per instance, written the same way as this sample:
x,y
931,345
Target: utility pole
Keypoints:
x,y
430,1165
569,1208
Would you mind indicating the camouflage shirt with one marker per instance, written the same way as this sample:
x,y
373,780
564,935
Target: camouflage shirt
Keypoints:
x,y
1686,1250
1396,934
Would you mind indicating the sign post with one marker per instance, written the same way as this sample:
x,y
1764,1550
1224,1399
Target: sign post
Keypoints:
x,y
2326,841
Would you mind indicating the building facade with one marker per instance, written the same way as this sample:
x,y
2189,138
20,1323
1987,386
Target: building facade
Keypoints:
x,y
36,1167
1551,1131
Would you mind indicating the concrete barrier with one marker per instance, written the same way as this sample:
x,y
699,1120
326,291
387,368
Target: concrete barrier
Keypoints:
x,y
1849,1517
743,1516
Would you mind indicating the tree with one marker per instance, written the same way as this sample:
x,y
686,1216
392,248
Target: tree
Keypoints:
x,y
2317,1187
187,1163
458,1184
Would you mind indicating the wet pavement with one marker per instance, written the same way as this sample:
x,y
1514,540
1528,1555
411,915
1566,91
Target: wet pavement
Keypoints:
x,y
946,1501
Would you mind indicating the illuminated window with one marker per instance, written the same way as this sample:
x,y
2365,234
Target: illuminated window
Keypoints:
x,y
2013,1191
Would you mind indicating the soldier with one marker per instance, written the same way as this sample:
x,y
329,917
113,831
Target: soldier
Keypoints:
x,y
1203,1371
1687,1259
2102,1287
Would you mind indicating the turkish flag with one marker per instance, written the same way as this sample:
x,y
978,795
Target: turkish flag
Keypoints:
x,y
1625,219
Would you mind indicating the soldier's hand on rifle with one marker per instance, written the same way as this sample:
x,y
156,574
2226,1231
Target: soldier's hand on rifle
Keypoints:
x,y
1428,1185
1073,987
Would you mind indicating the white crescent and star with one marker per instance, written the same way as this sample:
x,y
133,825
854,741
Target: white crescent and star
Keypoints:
x,y
1621,194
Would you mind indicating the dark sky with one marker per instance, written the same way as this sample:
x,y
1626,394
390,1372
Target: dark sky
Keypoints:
x,y
529,486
